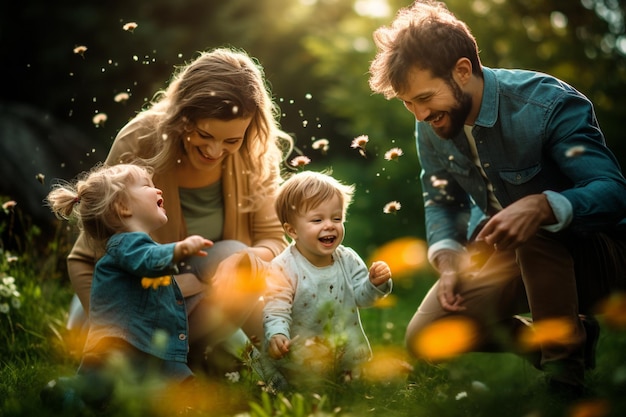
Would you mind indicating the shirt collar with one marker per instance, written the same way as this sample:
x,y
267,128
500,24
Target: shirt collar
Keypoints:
x,y
488,113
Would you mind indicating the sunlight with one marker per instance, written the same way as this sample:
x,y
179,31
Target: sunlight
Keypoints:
x,y
372,8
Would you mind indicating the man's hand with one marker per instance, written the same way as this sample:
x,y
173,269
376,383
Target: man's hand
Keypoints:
x,y
517,223
449,299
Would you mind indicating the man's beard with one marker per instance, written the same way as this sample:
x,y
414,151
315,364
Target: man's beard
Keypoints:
x,y
457,115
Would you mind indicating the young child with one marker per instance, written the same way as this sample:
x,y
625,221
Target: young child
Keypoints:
x,y
137,311
311,316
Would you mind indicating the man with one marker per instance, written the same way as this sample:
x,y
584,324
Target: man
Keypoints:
x,y
521,151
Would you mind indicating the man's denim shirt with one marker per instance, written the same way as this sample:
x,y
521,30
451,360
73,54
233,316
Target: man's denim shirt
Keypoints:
x,y
534,134
121,307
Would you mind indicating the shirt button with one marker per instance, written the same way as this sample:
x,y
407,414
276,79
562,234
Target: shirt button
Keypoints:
x,y
486,164
518,177
182,336
180,302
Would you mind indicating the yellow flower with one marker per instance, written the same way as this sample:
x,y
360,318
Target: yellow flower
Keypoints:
x,y
156,282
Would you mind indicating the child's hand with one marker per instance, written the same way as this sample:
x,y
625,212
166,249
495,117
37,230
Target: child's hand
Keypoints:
x,y
192,245
278,346
379,273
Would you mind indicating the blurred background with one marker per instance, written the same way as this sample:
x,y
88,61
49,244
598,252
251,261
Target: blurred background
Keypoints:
x,y
316,55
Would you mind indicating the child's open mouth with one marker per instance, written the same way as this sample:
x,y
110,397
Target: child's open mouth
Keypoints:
x,y
329,240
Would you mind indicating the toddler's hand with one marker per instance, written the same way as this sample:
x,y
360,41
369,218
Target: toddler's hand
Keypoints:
x,y
278,346
379,273
192,245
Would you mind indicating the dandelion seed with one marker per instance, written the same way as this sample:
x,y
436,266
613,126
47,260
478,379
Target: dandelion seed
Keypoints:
x,y
575,151
232,377
121,97
393,154
300,161
9,205
360,142
461,395
392,207
479,386
130,26
321,145
80,50
99,119
438,182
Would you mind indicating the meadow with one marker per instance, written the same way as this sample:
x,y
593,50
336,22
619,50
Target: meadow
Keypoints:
x,y
35,348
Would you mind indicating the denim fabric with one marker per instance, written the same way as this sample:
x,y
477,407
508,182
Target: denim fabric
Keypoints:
x,y
534,134
122,308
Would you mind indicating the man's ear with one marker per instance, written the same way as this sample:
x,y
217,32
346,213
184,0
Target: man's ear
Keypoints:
x,y
462,71
290,230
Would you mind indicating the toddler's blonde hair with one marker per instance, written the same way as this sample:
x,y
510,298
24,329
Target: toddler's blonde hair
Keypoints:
x,y
92,200
308,189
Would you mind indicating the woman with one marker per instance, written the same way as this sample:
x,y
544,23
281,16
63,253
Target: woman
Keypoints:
x,y
214,144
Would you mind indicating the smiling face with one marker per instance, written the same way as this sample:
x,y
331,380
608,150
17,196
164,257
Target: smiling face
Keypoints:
x,y
439,102
212,140
318,231
143,211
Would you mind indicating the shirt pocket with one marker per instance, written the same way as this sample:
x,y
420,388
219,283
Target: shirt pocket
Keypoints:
x,y
522,182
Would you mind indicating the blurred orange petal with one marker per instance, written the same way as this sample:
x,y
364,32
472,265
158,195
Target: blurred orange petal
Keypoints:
x,y
387,364
556,331
445,338
386,302
590,408
613,310
403,255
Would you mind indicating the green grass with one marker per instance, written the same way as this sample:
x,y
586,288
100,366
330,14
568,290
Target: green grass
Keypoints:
x,y
34,348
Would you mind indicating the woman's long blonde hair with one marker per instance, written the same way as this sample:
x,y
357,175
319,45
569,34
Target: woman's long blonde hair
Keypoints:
x,y
223,84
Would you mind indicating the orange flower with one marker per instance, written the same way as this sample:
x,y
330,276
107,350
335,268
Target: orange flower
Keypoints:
x,y
613,308
555,331
403,255
386,365
445,338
